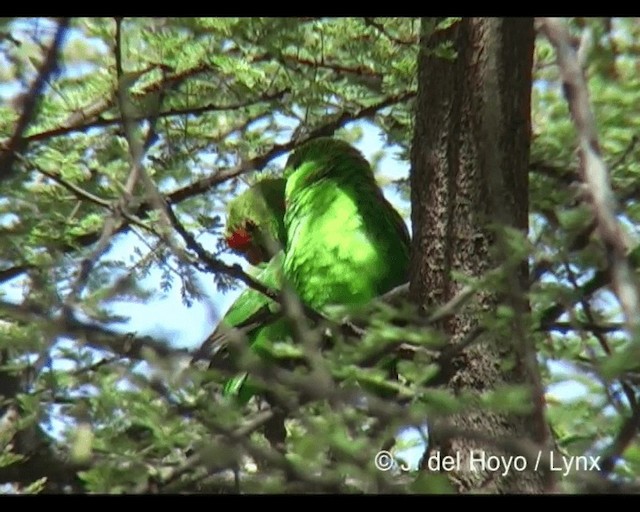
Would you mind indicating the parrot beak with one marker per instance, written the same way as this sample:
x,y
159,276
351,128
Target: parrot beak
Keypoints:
x,y
255,255
239,240
242,242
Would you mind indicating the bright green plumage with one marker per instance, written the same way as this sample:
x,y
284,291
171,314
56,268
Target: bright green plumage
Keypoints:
x,y
253,307
345,243
259,211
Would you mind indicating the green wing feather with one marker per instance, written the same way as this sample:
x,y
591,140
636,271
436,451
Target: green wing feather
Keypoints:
x,y
261,210
257,315
346,244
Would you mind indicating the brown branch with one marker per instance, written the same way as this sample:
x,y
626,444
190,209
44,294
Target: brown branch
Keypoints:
x,y
594,328
77,191
98,123
127,345
598,281
338,68
17,143
625,436
380,28
10,273
586,308
594,171
559,174
214,265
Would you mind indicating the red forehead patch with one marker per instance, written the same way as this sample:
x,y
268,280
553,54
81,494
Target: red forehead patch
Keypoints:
x,y
239,240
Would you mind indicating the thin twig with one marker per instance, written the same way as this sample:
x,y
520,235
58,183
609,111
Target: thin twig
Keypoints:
x,y
565,327
17,143
602,340
214,265
127,345
77,191
68,128
594,172
380,28
597,282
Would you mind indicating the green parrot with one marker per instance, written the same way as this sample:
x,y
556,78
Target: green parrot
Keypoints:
x,y
345,243
255,230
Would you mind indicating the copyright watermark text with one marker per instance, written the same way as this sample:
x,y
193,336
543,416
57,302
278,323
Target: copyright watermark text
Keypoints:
x,y
478,460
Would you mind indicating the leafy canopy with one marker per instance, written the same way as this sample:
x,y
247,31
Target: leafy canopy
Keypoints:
x,y
143,130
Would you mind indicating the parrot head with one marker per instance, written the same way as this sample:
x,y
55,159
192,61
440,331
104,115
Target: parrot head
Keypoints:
x,y
322,151
317,158
255,221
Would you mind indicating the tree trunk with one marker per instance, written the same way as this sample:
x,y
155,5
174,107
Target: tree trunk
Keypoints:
x,y
470,156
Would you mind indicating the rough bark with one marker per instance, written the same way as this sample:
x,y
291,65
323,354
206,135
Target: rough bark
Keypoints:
x,y
469,172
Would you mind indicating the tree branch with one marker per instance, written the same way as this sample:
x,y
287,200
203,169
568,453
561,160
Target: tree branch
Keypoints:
x,y
126,345
17,143
594,172
71,127
380,28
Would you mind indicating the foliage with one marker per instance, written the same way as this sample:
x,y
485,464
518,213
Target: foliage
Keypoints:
x,y
142,132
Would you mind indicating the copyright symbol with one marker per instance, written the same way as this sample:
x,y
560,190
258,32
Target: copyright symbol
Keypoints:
x,y
383,460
